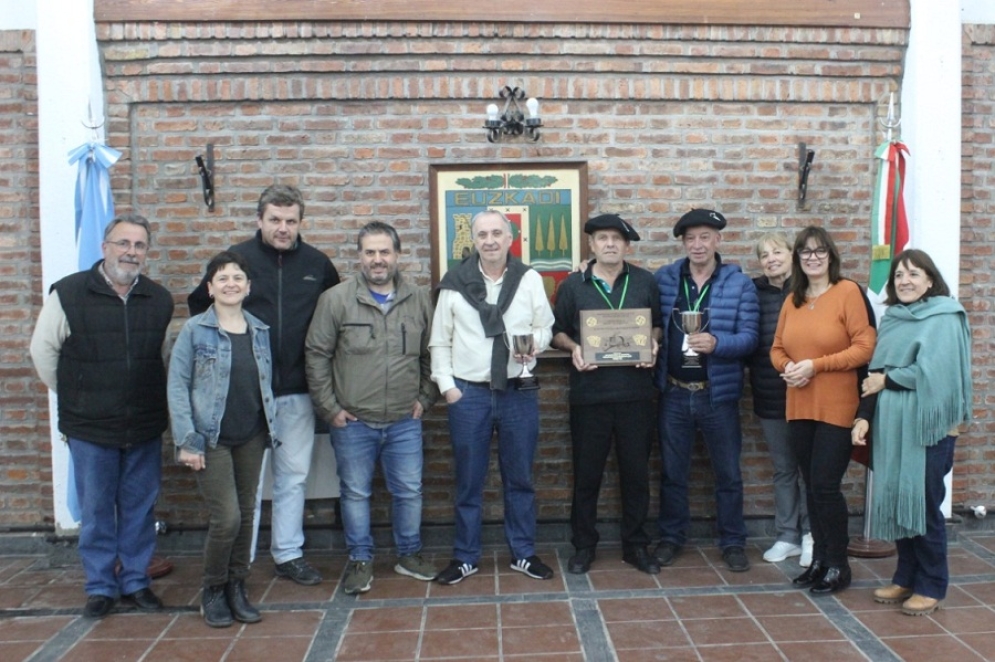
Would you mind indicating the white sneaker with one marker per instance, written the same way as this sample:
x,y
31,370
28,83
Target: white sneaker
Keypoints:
x,y
781,550
807,543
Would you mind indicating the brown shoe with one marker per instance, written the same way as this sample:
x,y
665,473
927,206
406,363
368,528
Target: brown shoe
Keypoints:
x,y
889,595
920,605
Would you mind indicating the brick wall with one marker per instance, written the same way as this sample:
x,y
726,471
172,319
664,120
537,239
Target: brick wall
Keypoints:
x,y
973,475
25,479
355,113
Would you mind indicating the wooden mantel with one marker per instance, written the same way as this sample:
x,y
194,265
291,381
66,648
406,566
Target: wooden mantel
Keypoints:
x,y
815,13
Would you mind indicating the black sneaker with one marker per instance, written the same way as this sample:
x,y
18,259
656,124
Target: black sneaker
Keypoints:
x,y
98,606
735,558
533,567
299,570
666,552
581,561
642,560
455,572
145,600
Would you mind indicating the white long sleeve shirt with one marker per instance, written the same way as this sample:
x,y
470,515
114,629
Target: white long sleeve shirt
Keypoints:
x,y
459,348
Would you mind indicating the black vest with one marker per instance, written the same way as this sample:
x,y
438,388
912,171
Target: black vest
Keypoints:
x,y
769,390
111,377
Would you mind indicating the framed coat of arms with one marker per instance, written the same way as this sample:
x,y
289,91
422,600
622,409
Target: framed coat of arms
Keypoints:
x,y
545,202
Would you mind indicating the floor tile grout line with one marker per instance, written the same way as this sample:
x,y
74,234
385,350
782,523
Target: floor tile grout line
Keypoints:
x,y
858,634
592,631
756,622
67,637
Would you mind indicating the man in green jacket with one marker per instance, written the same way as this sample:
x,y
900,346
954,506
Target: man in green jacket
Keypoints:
x,y
369,374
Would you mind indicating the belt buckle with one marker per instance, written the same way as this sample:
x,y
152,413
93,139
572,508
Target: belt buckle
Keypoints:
x,y
694,386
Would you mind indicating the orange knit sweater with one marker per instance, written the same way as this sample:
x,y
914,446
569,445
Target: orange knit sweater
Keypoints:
x,y
834,331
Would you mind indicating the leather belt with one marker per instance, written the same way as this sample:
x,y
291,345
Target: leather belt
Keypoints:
x,y
687,386
486,385
513,383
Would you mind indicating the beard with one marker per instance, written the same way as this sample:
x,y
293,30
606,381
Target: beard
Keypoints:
x,y
379,279
121,272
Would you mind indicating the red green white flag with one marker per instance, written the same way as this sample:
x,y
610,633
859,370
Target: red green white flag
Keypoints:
x,y
889,223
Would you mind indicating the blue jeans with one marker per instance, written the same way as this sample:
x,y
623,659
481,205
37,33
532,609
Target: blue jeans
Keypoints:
x,y
399,449
922,561
472,421
291,462
682,414
117,490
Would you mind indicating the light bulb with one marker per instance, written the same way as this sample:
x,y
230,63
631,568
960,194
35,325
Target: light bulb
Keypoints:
x,y
533,107
492,112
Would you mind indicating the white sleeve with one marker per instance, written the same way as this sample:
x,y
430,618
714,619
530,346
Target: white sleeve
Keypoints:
x,y
440,342
50,333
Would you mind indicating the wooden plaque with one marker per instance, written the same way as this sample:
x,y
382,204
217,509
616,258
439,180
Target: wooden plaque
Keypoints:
x,y
616,337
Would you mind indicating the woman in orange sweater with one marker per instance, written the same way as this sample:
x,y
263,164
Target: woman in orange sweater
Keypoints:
x,y
824,333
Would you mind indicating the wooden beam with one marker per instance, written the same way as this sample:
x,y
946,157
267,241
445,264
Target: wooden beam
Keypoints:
x,y
815,13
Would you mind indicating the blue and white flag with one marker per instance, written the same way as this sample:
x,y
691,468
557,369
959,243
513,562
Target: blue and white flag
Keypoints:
x,y
94,210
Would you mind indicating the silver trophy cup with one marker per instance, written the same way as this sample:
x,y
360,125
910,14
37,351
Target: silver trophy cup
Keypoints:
x,y
691,321
524,345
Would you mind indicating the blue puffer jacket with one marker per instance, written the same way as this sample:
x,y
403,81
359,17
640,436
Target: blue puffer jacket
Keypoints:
x,y
734,320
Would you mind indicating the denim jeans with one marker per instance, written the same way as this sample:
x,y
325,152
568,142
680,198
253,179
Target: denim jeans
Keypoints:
x,y
682,413
472,422
823,452
228,482
790,506
922,561
291,462
399,449
117,490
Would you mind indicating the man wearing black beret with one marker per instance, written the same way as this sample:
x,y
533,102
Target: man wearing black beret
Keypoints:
x,y
608,402
700,373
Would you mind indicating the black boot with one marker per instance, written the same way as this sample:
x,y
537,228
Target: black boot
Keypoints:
x,y
214,607
238,602
811,575
835,579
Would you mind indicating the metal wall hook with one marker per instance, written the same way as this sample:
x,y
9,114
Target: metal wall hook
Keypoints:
x,y
92,124
891,122
805,158
207,176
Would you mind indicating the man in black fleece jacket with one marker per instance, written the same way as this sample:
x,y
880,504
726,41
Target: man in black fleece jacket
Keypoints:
x,y
288,276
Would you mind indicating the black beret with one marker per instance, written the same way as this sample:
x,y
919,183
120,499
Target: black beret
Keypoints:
x,y
699,217
611,222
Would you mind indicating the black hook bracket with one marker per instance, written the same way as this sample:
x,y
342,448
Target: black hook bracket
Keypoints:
x,y
805,158
207,175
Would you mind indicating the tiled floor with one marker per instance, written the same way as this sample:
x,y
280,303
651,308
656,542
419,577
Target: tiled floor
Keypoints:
x,y
694,610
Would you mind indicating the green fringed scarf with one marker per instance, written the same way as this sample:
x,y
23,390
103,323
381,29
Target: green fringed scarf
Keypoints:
x,y
926,348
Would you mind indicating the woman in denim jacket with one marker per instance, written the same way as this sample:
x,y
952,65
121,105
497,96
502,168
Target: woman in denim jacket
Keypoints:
x,y
222,412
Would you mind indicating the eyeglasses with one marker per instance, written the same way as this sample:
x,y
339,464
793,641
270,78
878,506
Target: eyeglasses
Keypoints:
x,y
819,253
124,246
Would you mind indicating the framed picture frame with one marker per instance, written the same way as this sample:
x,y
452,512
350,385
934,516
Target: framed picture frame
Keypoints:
x,y
545,202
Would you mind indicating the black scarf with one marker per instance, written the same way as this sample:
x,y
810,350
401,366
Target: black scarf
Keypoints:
x,y
468,280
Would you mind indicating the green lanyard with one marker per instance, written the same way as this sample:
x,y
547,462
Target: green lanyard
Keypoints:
x,y
687,295
625,288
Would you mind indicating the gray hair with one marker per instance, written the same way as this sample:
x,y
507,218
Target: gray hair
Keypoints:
x,y
134,219
487,212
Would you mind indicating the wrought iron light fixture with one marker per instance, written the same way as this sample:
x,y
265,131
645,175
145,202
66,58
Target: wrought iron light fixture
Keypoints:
x,y
512,121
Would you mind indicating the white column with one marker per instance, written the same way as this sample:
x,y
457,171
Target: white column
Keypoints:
x,y
68,79
931,127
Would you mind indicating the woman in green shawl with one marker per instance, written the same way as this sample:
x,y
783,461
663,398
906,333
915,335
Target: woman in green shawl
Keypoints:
x,y
918,393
